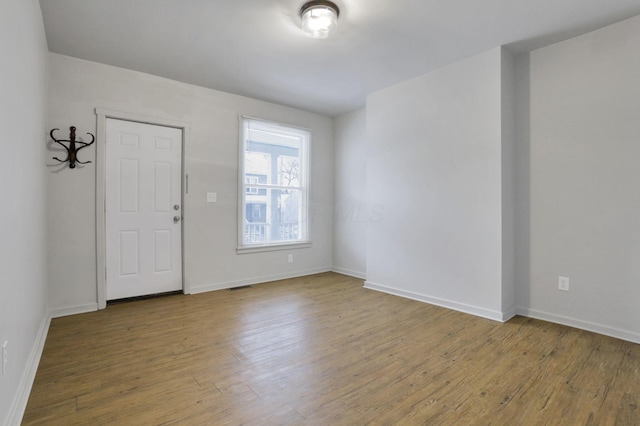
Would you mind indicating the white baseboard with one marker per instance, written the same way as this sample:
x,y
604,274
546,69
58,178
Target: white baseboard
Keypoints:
x,y
583,325
461,307
73,310
256,280
349,272
506,316
19,405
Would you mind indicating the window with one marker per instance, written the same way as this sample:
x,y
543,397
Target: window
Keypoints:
x,y
273,185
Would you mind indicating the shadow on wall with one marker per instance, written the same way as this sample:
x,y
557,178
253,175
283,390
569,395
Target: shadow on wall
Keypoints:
x,y
522,216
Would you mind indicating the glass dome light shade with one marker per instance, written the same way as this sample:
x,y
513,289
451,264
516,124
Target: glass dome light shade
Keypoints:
x,y
319,19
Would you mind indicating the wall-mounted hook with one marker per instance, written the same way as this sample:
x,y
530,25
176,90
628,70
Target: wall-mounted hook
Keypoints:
x,y
72,151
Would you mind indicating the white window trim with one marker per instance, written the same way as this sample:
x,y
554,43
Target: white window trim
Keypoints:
x,y
276,246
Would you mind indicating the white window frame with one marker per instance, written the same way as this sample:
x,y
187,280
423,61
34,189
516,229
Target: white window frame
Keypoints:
x,y
304,224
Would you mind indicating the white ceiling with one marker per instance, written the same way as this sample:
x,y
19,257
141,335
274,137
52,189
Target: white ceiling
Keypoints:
x,y
256,48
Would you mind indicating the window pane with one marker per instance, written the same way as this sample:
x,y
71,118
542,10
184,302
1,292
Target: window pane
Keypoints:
x,y
257,164
289,171
276,157
274,217
251,180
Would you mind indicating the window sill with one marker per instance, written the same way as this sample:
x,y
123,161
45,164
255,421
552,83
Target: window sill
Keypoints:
x,y
273,247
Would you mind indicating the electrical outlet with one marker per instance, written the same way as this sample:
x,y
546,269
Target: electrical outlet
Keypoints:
x,y
4,357
290,258
563,283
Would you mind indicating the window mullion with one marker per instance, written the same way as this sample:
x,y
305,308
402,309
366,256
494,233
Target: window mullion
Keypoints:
x,y
277,187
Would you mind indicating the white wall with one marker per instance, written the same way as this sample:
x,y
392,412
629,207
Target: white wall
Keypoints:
x,y
585,181
211,158
23,285
434,162
351,209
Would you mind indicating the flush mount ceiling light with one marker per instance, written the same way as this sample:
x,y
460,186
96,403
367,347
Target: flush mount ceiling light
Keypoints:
x,y
319,18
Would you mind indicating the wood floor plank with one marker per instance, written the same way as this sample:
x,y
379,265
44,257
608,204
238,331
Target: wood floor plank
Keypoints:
x,y
322,350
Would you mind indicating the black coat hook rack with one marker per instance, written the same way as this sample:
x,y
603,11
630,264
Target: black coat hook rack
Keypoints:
x,y
72,149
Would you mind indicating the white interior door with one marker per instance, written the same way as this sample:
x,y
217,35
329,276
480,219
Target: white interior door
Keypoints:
x,y
143,209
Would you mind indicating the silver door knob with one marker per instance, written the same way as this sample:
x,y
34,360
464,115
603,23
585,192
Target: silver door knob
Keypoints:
x,y
176,219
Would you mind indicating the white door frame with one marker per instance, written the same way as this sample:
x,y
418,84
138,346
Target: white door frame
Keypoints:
x,y
101,239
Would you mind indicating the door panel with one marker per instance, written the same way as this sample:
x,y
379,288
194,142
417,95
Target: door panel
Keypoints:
x,y
143,195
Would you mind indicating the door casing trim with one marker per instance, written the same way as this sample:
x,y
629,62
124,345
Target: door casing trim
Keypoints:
x,y
101,138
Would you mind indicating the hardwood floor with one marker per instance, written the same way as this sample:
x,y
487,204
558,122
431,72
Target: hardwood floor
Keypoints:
x,y
322,350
